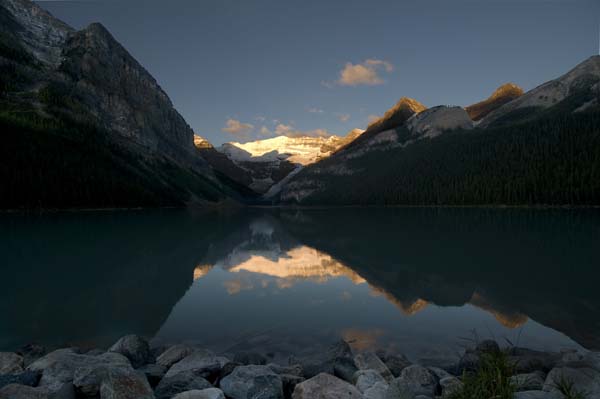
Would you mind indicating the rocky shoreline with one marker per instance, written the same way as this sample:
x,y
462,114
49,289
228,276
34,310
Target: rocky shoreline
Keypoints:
x,y
133,369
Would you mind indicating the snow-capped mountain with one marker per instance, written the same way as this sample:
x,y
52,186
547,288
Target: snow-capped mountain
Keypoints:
x,y
270,161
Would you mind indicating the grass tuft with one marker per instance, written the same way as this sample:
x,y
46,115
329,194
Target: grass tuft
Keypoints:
x,y
490,380
567,388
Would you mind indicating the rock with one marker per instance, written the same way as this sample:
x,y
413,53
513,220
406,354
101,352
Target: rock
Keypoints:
x,y
209,393
174,354
247,358
295,369
433,121
134,348
154,373
29,378
528,360
58,368
487,346
31,353
125,384
365,379
537,395
528,382
226,370
439,373
418,380
183,381
10,363
95,352
377,391
399,390
202,363
582,380
394,362
88,378
325,361
15,391
325,386
370,361
449,386
252,382
345,368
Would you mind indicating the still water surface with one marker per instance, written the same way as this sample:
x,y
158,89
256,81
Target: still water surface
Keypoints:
x,y
422,281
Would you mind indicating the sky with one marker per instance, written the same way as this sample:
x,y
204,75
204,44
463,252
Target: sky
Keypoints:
x,y
251,69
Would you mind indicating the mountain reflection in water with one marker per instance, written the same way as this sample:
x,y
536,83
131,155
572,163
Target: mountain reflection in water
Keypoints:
x,y
286,281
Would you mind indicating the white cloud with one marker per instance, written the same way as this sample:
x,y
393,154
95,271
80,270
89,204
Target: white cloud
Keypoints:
x,y
365,73
235,127
388,66
315,110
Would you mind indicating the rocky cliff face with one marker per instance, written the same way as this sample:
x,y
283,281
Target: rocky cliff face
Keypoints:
x,y
38,31
502,95
121,95
86,83
583,77
434,121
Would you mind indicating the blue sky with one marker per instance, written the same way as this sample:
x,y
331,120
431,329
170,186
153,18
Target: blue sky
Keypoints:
x,y
246,69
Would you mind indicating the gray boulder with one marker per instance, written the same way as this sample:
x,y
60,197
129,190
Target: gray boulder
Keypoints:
x,y
16,391
585,381
29,378
528,382
528,360
202,363
209,393
344,368
418,380
325,386
449,386
365,379
31,353
294,369
181,382
537,395
377,391
134,348
125,384
394,362
325,361
399,390
154,373
253,382
10,363
370,361
174,354
58,368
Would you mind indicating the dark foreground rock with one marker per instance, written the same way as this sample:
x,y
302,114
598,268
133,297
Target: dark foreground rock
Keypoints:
x,y
190,372
253,382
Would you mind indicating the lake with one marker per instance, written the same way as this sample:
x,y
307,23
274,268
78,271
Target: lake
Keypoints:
x,y
424,281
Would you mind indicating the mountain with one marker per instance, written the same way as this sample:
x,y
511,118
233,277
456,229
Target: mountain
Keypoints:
x,y
86,125
502,95
575,84
272,160
540,148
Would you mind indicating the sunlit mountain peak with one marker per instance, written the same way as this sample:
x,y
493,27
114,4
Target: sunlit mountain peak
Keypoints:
x,y
298,263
